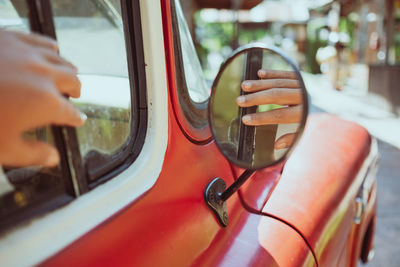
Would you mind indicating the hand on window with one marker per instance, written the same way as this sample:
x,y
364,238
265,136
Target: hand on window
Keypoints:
x,y
275,87
33,79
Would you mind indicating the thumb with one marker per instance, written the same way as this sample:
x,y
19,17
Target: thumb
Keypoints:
x,y
36,153
285,141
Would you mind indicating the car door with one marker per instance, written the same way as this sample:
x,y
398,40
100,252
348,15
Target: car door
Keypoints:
x,y
138,200
170,224
51,208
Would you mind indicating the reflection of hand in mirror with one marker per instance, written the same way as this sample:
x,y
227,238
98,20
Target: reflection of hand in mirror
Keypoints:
x,y
279,88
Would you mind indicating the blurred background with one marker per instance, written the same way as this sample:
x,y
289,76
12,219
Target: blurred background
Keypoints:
x,y
349,55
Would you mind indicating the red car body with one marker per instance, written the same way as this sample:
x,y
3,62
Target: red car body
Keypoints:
x,y
301,213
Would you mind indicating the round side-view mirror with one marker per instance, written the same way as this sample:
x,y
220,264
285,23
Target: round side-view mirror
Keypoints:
x,y
258,107
257,112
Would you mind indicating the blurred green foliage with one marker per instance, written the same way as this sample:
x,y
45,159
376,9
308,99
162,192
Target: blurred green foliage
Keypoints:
x,y
247,36
348,26
219,37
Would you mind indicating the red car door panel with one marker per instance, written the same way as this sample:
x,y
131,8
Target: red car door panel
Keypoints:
x,y
260,186
257,241
170,225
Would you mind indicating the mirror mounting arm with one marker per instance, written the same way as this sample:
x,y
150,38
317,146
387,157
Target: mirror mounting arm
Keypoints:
x,y
236,185
216,195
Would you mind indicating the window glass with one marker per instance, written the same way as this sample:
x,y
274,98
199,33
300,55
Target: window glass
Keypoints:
x,y
14,18
90,35
25,191
195,82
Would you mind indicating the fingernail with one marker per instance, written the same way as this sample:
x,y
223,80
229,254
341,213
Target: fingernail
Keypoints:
x,y
52,159
73,67
246,85
262,73
281,145
55,45
246,119
240,100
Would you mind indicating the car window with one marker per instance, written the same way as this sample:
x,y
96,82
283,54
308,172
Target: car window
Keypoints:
x,y
12,18
25,191
90,34
193,92
196,84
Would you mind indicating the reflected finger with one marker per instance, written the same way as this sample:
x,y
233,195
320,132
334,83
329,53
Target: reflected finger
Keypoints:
x,y
273,96
276,74
276,116
285,141
258,85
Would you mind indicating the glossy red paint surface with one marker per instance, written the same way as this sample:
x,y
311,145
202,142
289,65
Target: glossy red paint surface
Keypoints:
x,y
318,186
263,241
260,186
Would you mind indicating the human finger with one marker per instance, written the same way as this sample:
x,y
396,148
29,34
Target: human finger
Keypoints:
x,y
38,40
31,153
54,58
276,74
258,85
68,114
278,96
277,116
67,81
65,78
285,141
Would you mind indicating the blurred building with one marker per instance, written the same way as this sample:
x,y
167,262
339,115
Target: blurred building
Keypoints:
x,y
384,75
191,6
321,36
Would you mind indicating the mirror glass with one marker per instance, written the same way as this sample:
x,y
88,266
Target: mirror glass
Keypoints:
x,y
258,107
